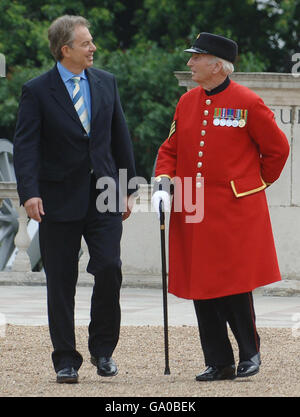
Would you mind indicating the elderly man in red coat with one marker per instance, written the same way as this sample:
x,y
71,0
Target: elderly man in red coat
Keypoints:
x,y
226,141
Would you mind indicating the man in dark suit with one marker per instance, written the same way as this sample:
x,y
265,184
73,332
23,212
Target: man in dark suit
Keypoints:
x,y
70,132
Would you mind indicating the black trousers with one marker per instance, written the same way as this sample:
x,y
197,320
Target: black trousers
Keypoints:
x,y
60,244
213,316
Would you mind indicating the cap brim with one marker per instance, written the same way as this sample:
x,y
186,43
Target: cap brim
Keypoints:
x,y
196,50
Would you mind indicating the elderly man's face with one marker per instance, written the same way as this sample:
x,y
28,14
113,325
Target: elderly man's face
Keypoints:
x,y
203,67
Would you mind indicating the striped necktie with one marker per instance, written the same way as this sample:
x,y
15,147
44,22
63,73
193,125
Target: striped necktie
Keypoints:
x,y
79,104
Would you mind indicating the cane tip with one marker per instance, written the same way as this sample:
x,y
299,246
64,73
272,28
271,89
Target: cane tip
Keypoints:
x,y
167,372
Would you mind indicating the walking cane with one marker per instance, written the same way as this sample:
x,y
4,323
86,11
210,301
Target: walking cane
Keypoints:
x,y
164,285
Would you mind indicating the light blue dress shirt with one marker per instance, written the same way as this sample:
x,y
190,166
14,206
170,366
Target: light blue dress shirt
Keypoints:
x,y
66,76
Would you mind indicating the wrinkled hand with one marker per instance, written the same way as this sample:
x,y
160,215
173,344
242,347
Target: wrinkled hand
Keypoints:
x,y
157,197
34,208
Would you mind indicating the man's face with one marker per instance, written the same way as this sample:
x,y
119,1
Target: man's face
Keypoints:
x,y
80,54
202,67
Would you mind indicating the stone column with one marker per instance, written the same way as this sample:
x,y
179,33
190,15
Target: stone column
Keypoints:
x,y
22,240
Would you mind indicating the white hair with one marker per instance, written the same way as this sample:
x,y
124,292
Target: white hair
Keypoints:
x,y
227,66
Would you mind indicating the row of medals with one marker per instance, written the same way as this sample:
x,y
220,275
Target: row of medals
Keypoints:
x,y
228,121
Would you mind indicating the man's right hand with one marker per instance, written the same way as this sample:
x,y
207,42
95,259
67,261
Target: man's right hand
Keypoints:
x,y
157,197
34,208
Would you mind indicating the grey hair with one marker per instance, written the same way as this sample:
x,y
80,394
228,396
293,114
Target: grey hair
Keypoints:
x,y
61,32
227,66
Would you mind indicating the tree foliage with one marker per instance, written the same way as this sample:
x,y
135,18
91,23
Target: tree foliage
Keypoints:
x,y
143,74
141,42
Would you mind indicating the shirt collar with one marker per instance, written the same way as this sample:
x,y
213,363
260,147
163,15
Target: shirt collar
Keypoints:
x,y
66,75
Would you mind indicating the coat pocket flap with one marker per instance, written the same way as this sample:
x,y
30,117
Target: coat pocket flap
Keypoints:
x,y
247,185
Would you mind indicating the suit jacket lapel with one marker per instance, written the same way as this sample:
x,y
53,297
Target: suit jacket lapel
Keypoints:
x,y
61,95
96,94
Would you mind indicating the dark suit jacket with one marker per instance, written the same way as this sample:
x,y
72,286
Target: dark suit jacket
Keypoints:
x,y
53,155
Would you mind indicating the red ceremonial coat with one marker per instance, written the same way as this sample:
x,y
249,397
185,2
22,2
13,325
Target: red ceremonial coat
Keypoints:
x,y
232,249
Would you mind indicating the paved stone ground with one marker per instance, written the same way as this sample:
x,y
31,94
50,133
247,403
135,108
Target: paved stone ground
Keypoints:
x,y
26,369
25,349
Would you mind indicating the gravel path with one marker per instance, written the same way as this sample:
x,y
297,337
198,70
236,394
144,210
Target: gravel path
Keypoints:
x,y
26,368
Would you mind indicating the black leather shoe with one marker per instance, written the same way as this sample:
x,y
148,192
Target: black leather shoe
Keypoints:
x,y
216,373
105,366
250,367
67,375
